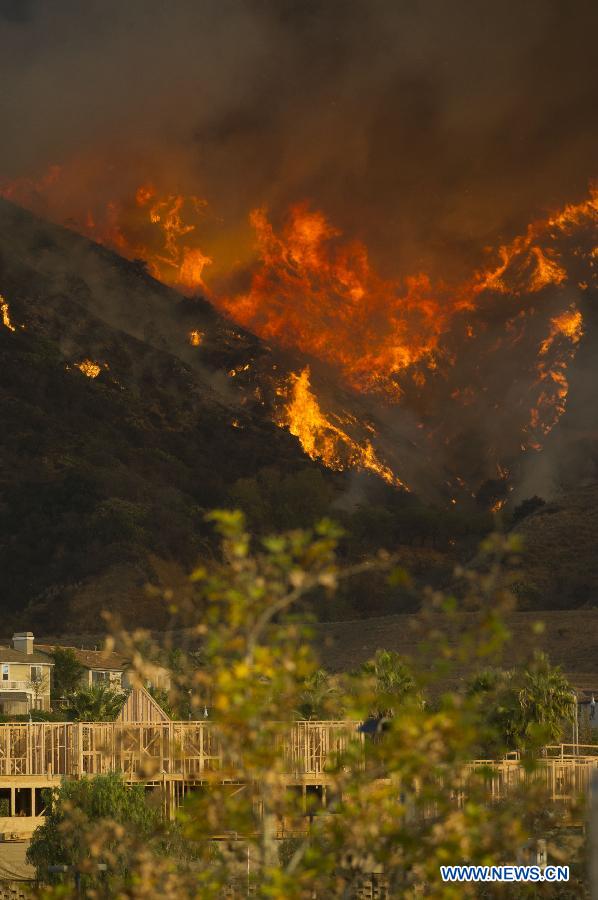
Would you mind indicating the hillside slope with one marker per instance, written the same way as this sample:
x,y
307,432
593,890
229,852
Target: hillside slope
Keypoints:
x,y
560,563
104,481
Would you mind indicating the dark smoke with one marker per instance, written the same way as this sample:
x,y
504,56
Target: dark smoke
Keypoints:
x,y
430,129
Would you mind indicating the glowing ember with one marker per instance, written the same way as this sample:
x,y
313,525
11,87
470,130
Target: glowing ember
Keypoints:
x,y
234,372
323,439
196,338
89,368
6,314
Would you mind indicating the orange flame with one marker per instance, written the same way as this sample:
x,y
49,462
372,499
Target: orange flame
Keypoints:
x,y
324,439
196,338
4,309
566,330
315,291
320,295
89,368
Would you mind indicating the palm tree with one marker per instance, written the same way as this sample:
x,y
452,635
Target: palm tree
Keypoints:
x,y
320,697
522,706
99,703
390,679
499,708
546,699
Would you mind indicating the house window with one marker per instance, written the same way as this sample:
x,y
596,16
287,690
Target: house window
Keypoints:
x,y
36,673
5,672
110,678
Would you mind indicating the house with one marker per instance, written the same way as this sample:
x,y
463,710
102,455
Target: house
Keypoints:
x,y
105,667
25,675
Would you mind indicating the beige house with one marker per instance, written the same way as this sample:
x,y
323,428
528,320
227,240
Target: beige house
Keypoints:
x,y
26,670
24,676
102,667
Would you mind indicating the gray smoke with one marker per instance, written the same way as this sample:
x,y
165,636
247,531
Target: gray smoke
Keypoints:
x,y
430,129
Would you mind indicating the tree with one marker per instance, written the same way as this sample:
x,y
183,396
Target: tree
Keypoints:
x,y
99,703
546,700
390,681
321,697
399,811
66,674
38,685
500,711
92,802
524,706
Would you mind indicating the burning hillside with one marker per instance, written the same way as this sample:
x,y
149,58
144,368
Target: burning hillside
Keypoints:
x,y
446,353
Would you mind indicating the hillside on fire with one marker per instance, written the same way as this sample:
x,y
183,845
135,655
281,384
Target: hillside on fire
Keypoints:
x,y
125,421
129,410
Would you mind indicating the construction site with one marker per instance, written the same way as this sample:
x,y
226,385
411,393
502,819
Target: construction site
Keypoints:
x,y
177,758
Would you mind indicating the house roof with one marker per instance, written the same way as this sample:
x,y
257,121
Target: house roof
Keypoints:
x,y
91,659
10,655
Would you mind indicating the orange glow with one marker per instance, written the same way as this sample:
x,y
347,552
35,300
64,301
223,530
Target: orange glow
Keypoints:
x,y
325,439
89,368
196,338
6,314
566,331
314,292
309,288
155,226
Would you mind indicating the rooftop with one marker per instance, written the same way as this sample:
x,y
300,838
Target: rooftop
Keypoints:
x,y
9,654
91,659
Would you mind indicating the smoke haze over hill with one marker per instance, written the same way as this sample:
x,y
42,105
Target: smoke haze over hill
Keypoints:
x,y
427,129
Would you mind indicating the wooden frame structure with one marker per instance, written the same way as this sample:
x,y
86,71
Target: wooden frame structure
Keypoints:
x,y
143,749
177,757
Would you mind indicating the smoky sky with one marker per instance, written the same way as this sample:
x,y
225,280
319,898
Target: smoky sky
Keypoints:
x,y
429,129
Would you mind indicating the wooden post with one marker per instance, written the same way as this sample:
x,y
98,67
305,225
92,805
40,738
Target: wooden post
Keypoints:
x,y
593,836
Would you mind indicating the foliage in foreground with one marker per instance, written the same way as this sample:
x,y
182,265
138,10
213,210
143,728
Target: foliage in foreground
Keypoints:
x,y
394,807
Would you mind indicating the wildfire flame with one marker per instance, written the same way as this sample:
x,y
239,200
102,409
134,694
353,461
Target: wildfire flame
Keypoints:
x,y
153,226
89,368
566,329
311,289
196,338
4,309
323,439
313,292
184,264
